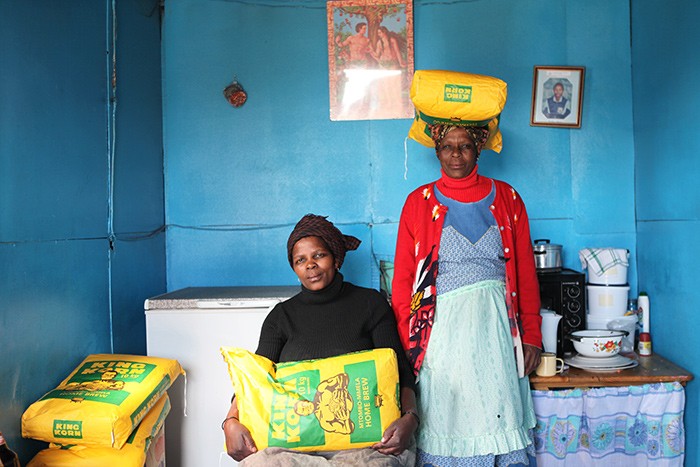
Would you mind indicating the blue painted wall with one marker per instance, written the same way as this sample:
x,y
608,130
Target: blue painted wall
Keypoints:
x,y
64,147
666,73
234,181
238,179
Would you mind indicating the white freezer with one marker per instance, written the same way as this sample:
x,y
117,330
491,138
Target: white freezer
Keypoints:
x,y
190,325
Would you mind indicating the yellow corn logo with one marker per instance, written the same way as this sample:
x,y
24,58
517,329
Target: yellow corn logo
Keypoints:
x,y
457,93
68,429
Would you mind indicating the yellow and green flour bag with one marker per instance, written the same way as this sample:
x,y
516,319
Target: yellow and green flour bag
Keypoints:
x,y
420,132
132,454
464,99
101,401
326,404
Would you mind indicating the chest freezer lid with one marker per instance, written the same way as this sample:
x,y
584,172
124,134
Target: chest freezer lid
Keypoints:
x,y
220,297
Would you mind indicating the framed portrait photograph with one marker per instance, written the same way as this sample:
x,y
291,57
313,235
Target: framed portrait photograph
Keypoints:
x,y
370,59
557,96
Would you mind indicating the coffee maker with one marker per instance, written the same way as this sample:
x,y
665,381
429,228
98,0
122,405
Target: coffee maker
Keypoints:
x,y
564,292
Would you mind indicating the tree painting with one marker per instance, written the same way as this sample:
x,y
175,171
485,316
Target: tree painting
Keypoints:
x,y
370,58
373,15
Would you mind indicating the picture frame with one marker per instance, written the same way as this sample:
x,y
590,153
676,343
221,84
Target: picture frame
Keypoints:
x,y
557,96
370,59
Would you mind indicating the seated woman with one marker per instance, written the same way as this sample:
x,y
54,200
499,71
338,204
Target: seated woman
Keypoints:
x,y
329,317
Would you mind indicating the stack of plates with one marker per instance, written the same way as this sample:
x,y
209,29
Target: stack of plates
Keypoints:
x,y
613,363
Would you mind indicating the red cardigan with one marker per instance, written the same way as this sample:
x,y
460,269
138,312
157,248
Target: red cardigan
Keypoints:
x,y
413,293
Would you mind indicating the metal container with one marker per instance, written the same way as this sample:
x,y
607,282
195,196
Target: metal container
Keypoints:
x,y
547,255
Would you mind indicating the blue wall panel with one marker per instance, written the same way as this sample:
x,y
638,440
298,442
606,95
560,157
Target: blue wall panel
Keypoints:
x,y
54,305
52,157
54,311
667,191
138,273
279,156
138,152
252,257
269,160
602,155
670,277
62,294
665,138
138,258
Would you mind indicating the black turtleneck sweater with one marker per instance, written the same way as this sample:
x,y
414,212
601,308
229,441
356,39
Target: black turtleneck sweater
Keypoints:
x,y
339,319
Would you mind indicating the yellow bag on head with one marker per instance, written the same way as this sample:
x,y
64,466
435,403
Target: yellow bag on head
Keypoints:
x,y
101,401
420,132
457,98
326,404
132,454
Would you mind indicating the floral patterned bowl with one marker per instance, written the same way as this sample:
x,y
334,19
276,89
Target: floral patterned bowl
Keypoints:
x,y
597,342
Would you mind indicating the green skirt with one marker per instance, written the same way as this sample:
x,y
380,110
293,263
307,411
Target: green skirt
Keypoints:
x,y
470,398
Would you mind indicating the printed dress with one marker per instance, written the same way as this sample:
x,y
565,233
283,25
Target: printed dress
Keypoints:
x,y
474,409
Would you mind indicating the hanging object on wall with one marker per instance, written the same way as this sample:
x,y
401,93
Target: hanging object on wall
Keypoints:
x,y
370,59
557,96
235,94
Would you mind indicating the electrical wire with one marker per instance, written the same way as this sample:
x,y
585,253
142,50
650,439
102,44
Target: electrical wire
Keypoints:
x,y
111,29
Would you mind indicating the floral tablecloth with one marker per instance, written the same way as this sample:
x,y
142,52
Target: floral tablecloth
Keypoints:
x,y
612,426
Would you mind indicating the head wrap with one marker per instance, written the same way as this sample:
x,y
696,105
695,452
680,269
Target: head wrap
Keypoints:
x,y
312,225
478,134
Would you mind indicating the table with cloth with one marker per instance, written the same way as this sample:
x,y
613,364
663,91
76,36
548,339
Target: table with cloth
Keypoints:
x,y
633,417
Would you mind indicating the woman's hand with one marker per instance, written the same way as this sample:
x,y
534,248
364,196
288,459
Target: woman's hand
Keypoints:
x,y
532,358
397,436
239,442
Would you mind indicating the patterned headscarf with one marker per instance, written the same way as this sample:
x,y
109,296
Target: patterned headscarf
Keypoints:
x,y
312,225
478,134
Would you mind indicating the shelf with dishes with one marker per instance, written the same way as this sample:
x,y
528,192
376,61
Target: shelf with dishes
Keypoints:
x,y
601,364
652,369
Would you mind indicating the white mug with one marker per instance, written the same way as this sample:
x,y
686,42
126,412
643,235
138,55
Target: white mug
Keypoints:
x,y
548,365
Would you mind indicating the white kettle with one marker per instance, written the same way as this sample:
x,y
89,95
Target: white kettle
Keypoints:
x,y
550,323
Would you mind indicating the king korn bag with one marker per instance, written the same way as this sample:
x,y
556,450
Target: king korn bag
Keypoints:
x,y
132,454
101,401
464,99
326,404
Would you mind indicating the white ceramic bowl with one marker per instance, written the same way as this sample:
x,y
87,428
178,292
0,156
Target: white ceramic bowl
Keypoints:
x,y
620,323
597,342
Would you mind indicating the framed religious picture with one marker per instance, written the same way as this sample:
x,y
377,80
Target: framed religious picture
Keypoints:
x,y
557,96
370,59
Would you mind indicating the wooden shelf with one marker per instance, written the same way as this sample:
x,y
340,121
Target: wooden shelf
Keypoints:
x,y
652,369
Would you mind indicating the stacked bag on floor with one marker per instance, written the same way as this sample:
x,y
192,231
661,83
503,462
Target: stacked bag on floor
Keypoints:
x,y
108,411
464,99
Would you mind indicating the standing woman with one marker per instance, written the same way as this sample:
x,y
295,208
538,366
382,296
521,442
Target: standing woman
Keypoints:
x,y
466,298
